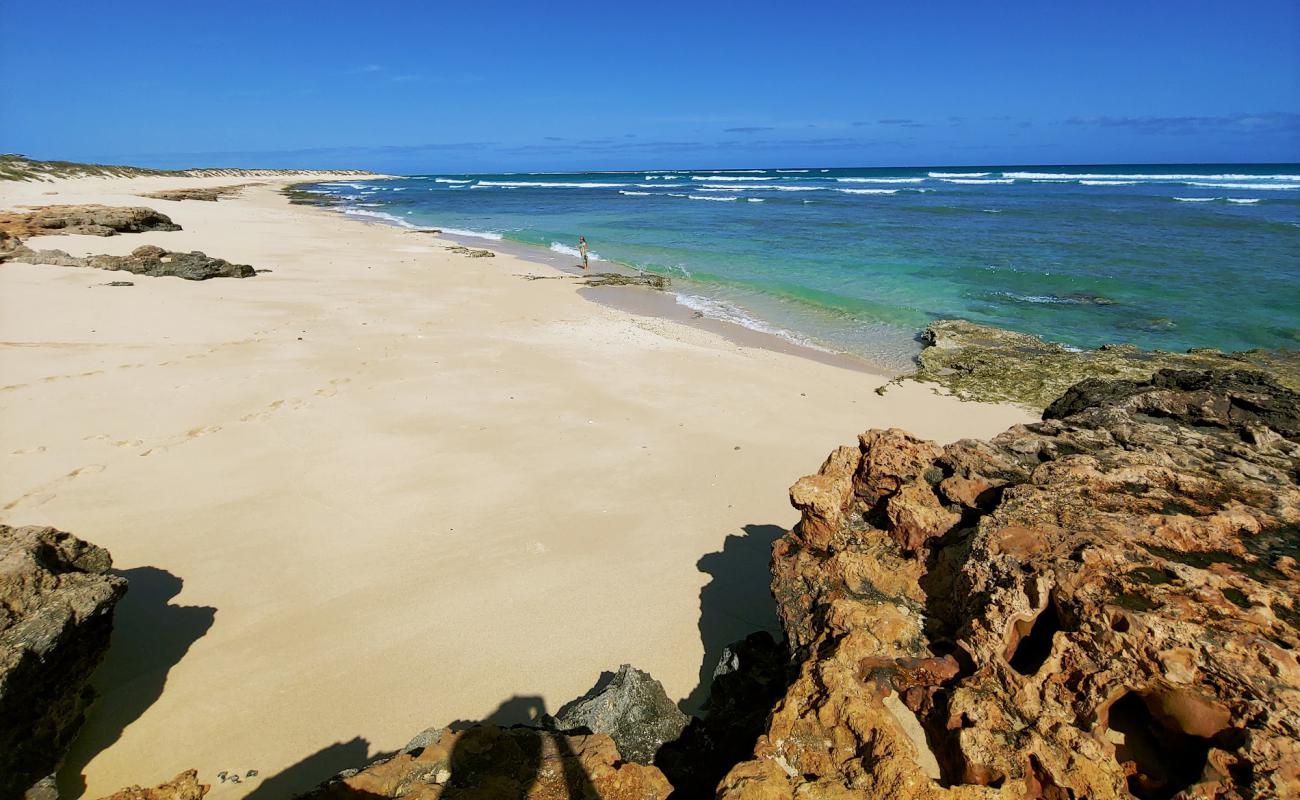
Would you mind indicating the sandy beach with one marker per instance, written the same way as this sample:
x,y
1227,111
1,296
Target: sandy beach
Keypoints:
x,y
382,486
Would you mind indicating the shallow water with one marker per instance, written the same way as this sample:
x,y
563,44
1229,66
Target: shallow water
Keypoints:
x,y
859,260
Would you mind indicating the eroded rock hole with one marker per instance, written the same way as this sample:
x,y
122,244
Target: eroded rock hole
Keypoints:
x,y
1031,640
1164,759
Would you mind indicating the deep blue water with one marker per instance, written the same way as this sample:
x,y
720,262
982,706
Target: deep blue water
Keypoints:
x,y
859,260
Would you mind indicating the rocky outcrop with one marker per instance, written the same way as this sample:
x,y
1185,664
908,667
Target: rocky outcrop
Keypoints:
x,y
646,279
470,252
56,615
210,194
979,362
95,220
184,786
490,761
146,260
1105,604
632,708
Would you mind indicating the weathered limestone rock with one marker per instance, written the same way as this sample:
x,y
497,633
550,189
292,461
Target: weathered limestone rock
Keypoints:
x,y
209,194
632,708
91,219
470,252
1102,605
56,615
184,786
646,279
507,763
980,362
146,260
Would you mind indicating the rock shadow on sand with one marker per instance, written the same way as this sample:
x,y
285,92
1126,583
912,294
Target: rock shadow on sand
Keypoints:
x,y
503,756
736,602
150,636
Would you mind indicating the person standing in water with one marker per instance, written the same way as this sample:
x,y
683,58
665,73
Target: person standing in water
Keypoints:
x,y
582,250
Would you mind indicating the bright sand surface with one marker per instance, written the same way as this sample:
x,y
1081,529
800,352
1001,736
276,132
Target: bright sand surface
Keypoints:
x,y
383,487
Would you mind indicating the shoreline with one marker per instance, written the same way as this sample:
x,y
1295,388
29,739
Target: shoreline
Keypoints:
x,y
383,461
659,304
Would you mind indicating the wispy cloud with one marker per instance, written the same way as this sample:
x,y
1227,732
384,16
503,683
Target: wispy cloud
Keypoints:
x,y
1264,122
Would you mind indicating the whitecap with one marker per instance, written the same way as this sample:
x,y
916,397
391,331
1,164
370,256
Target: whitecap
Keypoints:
x,y
473,234
451,180
958,174
978,181
732,178
1196,199
795,170
1243,200
1109,183
756,188
549,185
1119,176
753,199
726,312
361,212
880,180
559,247
867,191
637,194
719,199
1247,186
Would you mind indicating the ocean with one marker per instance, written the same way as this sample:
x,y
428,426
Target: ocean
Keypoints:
x,y
859,260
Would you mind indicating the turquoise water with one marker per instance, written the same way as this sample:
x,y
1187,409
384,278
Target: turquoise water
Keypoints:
x,y
859,260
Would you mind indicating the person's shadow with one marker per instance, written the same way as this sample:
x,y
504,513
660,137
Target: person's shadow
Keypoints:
x,y
736,602
502,757
150,636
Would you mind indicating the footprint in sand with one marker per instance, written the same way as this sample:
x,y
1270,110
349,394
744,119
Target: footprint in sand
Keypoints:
x,y
189,436
27,451
43,494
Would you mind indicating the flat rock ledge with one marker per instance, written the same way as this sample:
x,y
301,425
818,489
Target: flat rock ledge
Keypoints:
x,y
56,615
95,220
981,362
489,761
148,260
1100,605
209,194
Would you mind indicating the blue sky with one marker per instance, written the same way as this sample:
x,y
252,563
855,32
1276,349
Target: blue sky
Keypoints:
x,y
488,86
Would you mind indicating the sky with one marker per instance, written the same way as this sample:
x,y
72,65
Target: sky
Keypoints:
x,y
488,86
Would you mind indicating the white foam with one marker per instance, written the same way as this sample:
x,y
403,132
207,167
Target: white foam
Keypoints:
x,y
1109,183
550,185
958,174
867,191
573,251
880,180
753,199
758,171
361,212
637,194
795,170
978,181
726,312
1113,176
1247,186
731,178
1243,200
496,237
719,199
1196,199
451,180
757,187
